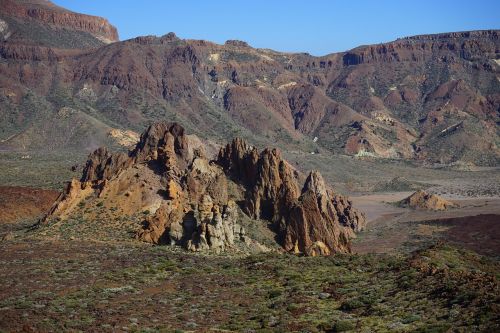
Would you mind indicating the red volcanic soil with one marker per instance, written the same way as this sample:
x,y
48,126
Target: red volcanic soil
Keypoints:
x,y
480,233
18,203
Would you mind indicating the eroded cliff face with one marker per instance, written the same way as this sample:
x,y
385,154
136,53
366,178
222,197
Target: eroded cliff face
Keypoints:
x,y
189,201
45,12
421,48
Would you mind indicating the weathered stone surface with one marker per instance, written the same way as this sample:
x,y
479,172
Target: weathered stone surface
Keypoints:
x,y
239,161
156,226
320,222
313,221
46,12
186,197
102,165
73,194
217,230
424,200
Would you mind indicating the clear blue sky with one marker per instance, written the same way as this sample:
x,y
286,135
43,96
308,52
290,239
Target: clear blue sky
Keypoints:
x,y
315,26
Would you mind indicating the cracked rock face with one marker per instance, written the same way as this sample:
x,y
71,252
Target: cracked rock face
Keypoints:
x,y
215,228
320,222
186,196
194,210
314,221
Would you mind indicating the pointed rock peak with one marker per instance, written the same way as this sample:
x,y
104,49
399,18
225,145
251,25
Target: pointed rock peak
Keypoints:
x,y
274,152
239,160
102,164
239,144
315,183
161,135
157,131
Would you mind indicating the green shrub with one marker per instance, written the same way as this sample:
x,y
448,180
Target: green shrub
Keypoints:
x,y
411,318
275,293
351,304
343,325
434,328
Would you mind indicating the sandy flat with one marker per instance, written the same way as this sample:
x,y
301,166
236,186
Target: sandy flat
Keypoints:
x,y
390,228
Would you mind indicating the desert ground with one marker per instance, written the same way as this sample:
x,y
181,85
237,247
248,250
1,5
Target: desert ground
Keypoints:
x,y
411,270
472,224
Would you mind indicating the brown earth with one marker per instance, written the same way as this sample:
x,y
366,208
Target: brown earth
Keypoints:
x,y
473,223
480,233
18,203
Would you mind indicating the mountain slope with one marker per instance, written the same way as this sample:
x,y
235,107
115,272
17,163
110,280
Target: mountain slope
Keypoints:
x,y
434,98
40,22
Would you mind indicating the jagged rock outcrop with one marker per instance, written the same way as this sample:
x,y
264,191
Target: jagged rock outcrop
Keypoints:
x,y
424,200
187,201
102,164
313,221
73,194
184,194
320,222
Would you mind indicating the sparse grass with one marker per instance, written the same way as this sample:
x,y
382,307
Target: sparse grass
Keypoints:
x,y
41,170
92,286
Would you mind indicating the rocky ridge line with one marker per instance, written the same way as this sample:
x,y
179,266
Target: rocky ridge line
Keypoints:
x,y
196,210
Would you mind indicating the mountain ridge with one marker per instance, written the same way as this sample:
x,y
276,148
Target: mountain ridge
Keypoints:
x,y
390,100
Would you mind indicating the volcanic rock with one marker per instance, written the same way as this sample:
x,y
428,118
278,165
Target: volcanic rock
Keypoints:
x,y
396,100
313,221
320,222
424,200
184,194
186,197
47,13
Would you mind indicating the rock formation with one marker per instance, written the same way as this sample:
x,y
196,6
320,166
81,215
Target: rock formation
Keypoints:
x,y
186,197
424,200
193,209
313,221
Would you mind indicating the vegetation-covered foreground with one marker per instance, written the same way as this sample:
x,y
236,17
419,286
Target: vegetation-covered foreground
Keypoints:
x,y
86,286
